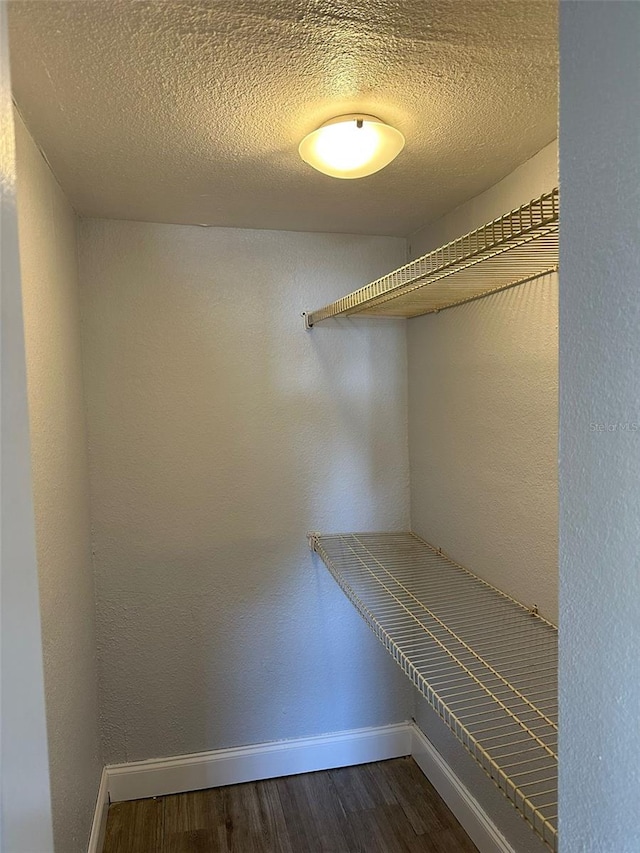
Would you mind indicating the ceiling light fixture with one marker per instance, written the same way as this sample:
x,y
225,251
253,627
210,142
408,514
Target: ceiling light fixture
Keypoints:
x,y
351,146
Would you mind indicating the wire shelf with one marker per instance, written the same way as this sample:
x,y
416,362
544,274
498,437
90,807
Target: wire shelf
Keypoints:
x,y
485,663
517,247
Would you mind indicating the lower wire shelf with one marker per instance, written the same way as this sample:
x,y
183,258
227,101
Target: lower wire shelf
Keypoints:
x,y
485,663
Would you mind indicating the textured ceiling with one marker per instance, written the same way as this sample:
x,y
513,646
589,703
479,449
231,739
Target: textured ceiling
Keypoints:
x,y
186,111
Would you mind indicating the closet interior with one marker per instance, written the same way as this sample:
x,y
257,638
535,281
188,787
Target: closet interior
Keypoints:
x,y
192,437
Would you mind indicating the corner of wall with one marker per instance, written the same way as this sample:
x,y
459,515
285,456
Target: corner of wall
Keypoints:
x,y
57,422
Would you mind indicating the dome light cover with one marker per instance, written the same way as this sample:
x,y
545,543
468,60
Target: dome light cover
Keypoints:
x,y
351,146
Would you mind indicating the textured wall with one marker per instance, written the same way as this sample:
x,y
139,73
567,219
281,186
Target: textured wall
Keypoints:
x,y
599,428
483,443
483,414
220,433
25,801
60,492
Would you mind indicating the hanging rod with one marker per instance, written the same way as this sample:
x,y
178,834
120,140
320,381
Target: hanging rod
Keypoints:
x,y
515,248
485,663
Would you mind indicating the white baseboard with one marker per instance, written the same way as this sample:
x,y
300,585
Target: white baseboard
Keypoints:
x,y
262,761
158,777
99,826
474,820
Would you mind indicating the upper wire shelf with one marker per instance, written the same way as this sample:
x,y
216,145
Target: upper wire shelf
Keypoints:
x,y
485,664
517,247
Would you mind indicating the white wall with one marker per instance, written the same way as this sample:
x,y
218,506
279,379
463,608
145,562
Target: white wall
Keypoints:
x,y
483,443
48,257
600,436
220,433
25,810
483,385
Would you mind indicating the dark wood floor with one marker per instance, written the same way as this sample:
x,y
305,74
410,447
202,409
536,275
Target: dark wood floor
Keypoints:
x,y
386,807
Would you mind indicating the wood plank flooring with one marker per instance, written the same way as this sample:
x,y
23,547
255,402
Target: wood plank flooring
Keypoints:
x,y
385,807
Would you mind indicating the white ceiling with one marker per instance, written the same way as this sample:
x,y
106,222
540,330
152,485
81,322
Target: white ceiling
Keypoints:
x,y
192,111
